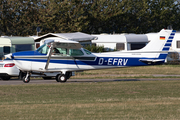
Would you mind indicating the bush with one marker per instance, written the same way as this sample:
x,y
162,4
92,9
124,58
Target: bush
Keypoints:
x,y
96,49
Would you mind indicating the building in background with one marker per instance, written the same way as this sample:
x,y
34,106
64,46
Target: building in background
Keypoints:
x,y
82,38
15,44
121,41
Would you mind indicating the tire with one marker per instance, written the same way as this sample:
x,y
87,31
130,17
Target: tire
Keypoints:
x,y
68,74
21,75
6,78
57,77
26,81
61,78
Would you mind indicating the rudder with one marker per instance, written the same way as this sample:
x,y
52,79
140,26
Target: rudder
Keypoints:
x,y
162,41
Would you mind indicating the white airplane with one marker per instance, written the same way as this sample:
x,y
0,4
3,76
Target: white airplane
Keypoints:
x,y
67,56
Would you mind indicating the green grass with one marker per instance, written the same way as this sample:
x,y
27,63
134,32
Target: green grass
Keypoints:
x,y
136,100
131,72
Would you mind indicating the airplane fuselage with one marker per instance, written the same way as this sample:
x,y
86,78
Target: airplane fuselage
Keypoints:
x,y
37,62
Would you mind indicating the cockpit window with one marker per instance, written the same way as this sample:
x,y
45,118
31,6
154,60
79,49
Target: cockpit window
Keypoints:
x,y
64,45
87,52
75,52
43,49
60,49
67,52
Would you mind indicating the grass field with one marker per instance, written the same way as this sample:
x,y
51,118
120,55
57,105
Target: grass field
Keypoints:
x,y
132,72
126,100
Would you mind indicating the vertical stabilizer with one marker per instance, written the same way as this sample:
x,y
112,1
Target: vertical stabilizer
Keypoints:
x,y
160,46
162,42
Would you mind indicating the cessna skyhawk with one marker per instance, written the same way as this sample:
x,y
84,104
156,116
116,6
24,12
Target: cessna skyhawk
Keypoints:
x,y
66,56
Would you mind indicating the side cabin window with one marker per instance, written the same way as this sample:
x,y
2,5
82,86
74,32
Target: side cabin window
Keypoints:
x,y
66,49
67,52
60,50
75,52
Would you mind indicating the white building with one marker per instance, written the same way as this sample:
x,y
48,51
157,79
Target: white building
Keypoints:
x,y
121,41
82,38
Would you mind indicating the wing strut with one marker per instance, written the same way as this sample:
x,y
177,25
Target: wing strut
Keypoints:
x,y
49,56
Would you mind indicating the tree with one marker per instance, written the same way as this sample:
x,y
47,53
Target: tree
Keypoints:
x,y
7,16
163,13
22,17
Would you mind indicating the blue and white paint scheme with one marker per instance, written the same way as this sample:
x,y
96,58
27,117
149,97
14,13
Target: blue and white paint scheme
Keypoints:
x,y
66,56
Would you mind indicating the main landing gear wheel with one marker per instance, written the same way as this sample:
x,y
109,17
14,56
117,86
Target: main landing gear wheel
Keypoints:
x,y
61,78
26,79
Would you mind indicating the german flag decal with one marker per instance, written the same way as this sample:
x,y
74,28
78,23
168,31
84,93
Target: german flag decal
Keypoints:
x,y
162,37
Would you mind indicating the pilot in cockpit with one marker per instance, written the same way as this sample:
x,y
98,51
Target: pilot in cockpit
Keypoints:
x,y
55,51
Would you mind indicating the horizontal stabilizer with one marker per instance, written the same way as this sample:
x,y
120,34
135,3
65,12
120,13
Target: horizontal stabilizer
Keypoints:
x,y
152,61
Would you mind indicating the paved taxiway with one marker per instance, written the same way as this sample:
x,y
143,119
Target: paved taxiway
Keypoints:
x,y
52,81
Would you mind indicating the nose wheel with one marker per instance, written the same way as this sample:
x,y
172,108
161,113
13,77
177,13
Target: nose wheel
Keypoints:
x,y
26,78
61,78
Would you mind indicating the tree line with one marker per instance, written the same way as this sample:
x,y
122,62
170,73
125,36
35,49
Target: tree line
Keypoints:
x,y
22,17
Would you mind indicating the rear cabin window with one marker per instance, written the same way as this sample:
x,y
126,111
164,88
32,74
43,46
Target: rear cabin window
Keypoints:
x,y
75,52
23,47
6,49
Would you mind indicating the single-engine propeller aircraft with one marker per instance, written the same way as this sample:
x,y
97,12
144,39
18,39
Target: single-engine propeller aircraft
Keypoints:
x,y
66,56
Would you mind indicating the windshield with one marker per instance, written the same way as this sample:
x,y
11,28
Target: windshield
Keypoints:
x,y
44,49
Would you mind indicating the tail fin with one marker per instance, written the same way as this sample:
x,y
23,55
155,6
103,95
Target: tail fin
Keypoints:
x,y
162,42
160,46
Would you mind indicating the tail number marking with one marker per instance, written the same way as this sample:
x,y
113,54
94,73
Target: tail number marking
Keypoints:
x,y
113,61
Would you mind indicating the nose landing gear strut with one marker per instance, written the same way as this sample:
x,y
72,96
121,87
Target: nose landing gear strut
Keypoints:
x,y
26,78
